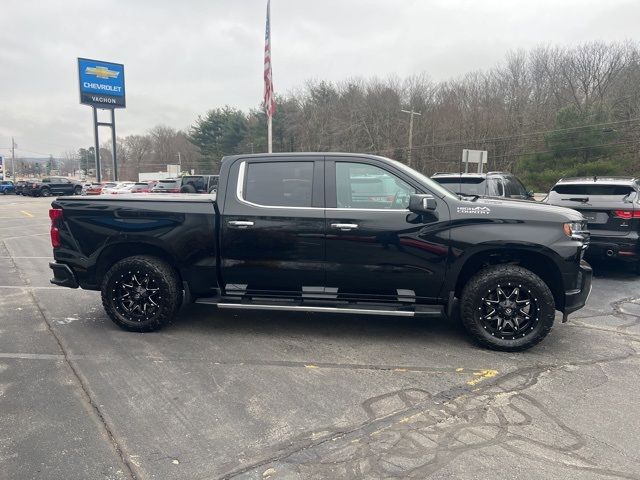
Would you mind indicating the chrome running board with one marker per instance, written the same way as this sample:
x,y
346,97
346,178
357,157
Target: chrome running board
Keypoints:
x,y
309,308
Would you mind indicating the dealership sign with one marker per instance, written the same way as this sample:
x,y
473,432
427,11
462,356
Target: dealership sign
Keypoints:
x,y
101,83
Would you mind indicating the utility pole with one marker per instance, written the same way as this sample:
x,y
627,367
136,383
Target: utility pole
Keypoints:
x,y
179,164
13,159
411,113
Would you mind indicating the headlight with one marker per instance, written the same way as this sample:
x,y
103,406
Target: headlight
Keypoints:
x,y
574,230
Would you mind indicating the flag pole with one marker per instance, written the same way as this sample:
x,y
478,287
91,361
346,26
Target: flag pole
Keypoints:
x,y
269,103
269,133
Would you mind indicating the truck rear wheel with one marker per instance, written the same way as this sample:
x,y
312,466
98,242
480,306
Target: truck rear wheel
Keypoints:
x,y
507,307
141,293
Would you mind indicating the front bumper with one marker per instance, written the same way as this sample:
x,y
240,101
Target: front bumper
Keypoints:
x,y
63,275
576,299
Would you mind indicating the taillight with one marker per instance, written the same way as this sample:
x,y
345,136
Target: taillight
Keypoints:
x,y
626,214
174,190
55,214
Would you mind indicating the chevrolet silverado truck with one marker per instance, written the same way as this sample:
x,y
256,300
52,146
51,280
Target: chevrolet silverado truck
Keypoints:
x,y
327,232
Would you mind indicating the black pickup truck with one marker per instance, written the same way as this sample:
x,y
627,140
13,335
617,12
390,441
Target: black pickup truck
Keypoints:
x,y
312,232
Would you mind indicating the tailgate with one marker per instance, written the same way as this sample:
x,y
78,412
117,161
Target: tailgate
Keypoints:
x,y
610,210
610,221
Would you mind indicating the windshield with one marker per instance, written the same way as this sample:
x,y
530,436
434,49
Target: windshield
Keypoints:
x,y
430,184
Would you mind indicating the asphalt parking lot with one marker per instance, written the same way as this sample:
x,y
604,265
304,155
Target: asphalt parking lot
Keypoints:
x,y
283,395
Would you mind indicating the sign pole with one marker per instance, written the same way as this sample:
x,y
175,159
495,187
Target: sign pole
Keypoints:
x,y
96,144
113,142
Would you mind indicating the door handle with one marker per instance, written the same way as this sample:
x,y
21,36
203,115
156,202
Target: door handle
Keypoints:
x,y
240,223
345,227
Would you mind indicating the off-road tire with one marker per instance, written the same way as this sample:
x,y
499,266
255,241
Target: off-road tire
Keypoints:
x,y
77,190
45,192
188,188
509,276
161,276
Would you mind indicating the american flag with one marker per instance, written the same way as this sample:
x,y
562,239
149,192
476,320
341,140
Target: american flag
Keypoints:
x,y
269,102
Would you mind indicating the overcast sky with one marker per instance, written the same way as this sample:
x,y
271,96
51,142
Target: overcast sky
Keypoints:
x,y
185,57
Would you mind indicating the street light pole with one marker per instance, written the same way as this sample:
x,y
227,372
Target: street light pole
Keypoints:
x,y
411,113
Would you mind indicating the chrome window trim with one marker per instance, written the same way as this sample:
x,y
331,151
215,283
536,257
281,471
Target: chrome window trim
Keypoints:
x,y
241,199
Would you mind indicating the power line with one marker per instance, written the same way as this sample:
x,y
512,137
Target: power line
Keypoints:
x,y
508,137
542,152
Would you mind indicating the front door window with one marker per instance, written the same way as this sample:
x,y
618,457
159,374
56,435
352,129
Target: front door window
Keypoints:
x,y
363,186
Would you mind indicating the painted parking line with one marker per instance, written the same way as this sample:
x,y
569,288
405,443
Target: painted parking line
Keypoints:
x,y
29,287
24,236
7,256
28,214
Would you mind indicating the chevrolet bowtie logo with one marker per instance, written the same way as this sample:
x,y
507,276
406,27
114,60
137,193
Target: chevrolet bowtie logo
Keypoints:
x,y
101,72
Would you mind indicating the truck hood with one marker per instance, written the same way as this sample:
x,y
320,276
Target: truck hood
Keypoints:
x,y
516,210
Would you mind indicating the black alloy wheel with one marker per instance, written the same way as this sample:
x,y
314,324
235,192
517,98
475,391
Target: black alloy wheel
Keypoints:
x,y
45,192
509,311
141,293
507,307
136,296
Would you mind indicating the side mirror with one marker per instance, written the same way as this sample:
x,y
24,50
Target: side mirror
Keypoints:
x,y
420,203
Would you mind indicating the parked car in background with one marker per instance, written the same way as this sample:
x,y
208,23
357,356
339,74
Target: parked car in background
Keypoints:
x,y
491,184
188,184
368,191
92,188
115,189
48,186
7,186
19,186
96,188
167,185
611,206
140,187
199,184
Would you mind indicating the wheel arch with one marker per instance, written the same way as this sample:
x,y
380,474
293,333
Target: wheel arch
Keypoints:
x,y
534,260
115,252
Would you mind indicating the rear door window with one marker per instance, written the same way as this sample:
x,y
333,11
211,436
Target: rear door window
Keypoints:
x,y
279,184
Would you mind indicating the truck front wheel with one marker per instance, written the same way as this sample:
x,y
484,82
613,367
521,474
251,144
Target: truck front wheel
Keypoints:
x,y
507,307
141,293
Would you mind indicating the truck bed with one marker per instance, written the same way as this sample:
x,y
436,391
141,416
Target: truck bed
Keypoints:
x,y
183,228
